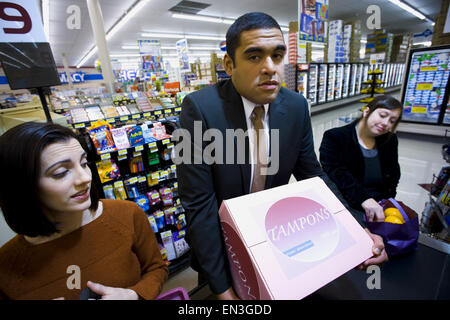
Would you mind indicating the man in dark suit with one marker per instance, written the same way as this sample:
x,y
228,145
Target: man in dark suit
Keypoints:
x,y
252,99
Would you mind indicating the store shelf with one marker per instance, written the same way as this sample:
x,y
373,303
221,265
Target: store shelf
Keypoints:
x,y
434,243
423,129
343,102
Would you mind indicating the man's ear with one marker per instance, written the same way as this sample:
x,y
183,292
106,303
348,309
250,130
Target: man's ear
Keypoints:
x,y
228,64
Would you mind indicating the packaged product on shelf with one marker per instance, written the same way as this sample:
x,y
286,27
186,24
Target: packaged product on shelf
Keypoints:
x,y
153,157
136,164
131,187
159,131
143,104
120,138
181,221
152,221
153,178
167,240
79,115
148,134
167,154
119,190
135,135
107,170
101,136
109,191
133,109
159,218
110,111
166,196
163,251
172,172
180,244
169,216
94,113
142,202
123,110
153,197
175,189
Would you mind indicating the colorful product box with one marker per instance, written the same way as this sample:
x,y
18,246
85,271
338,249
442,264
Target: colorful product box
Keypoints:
x,y
289,241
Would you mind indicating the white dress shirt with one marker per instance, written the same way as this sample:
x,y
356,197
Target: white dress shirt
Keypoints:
x,y
248,109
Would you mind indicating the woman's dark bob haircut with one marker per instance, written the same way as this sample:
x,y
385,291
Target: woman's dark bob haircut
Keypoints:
x,y
20,162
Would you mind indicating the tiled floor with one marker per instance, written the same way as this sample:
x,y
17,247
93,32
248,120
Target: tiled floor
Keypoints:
x,y
419,157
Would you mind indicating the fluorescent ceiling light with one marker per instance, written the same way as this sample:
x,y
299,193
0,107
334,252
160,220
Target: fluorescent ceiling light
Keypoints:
x,y
425,43
408,8
130,47
181,36
129,15
119,25
124,55
46,18
87,57
196,17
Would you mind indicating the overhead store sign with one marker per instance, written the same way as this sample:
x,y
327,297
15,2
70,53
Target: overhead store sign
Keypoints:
x,y
182,51
312,20
150,51
21,22
77,77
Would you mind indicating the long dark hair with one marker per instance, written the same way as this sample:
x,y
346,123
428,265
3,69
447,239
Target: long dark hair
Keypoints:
x,y
20,163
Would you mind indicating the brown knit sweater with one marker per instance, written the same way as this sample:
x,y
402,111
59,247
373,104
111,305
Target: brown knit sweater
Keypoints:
x,y
118,249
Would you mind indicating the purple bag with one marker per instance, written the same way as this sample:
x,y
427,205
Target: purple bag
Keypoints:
x,y
398,238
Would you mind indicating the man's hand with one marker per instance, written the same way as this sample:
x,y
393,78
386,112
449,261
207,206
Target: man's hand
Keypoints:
x,y
380,256
110,293
228,295
374,212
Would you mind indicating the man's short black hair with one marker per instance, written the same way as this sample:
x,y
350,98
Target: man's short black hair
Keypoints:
x,y
249,21
20,165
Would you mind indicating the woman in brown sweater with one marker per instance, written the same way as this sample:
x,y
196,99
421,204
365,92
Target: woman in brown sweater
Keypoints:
x,y
67,238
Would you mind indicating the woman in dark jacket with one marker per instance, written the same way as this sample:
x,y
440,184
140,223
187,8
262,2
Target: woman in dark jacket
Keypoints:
x,y
362,157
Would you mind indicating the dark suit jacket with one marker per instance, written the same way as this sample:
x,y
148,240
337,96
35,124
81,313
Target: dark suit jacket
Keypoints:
x,y
342,160
202,187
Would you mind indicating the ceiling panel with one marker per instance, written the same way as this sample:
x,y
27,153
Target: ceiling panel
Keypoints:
x,y
155,17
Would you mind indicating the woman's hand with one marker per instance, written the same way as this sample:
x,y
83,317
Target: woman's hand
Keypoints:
x,y
379,253
111,293
374,212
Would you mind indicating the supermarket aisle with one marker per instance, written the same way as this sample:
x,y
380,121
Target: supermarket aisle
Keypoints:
x,y
419,158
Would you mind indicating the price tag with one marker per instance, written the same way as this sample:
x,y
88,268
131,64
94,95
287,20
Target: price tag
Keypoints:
x,y
173,167
152,145
136,116
105,156
170,145
166,141
120,158
155,176
419,110
142,179
123,152
79,125
147,114
124,118
110,120
175,185
136,154
132,180
118,184
153,150
139,148
182,233
168,111
424,86
178,109
157,112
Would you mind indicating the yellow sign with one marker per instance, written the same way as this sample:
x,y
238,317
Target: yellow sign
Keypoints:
x,y
428,69
419,109
424,86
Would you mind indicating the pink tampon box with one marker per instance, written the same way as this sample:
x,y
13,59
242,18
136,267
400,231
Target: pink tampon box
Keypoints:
x,y
287,242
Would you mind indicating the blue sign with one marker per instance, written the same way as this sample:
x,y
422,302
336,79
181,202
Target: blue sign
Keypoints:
x,y
77,77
